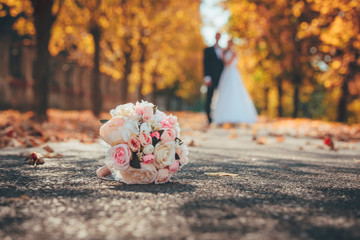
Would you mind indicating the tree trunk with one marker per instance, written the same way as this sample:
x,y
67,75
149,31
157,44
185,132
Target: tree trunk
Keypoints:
x,y
154,87
142,69
43,21
169,95
343,100
266,98
95,84
296,101
280,94
127,72
342,105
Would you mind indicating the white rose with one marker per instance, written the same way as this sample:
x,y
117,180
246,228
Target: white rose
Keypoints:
x,y
182,150
184,161
135,117
177,130
148,149
157,126
145,104
158,116
124,110
130,127
164,154
145,127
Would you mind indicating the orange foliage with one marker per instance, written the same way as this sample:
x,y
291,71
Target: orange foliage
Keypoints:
x,y
311,45
163,38
18,129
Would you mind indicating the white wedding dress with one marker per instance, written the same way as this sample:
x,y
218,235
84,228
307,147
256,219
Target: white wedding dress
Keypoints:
x,y
234,104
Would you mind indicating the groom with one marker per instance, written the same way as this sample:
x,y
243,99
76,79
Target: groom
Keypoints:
x,y
213,66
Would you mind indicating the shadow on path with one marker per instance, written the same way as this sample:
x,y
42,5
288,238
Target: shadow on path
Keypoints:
x,y
293,216
170,187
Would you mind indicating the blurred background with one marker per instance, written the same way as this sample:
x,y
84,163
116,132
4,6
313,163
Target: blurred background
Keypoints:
x,y
298,58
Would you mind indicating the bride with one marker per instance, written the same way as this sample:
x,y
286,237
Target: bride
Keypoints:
x,y
234,104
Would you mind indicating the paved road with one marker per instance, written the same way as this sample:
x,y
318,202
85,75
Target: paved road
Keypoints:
x,y
285,190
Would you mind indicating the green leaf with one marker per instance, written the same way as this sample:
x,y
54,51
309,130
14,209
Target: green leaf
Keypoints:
x,y
155,141
135,162
103,121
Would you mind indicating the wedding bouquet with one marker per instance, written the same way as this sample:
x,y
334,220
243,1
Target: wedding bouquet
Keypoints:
x,y
145,144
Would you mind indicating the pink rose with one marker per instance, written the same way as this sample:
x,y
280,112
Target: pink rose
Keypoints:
x,y
148,112
134,143
172,120
138,109
174,167
120,156
149,158
163,176
165,124
145,139
155,134
168,135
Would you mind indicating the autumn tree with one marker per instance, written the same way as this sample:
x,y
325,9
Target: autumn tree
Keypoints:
x,y
94,14
148,45
269,29
160,35
42,14
338,29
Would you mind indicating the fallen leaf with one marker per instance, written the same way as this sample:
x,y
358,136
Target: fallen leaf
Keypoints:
x,y
279,139
233,135
23,197
261,140
329,142
227,126
48,149
9,131
57,155
220,174
191,144
35,159
31,142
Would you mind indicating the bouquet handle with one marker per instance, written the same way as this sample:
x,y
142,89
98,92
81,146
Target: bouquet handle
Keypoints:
x,y
103,171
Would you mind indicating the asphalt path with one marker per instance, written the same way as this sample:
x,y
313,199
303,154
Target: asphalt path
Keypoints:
x,y
288,188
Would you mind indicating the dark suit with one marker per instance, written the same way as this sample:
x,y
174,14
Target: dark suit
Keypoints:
x,y
213,67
